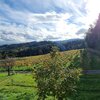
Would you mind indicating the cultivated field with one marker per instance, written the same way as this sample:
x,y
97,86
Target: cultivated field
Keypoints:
x,y
23,87
27,63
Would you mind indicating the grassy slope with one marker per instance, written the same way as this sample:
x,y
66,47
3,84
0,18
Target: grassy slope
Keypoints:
x,y
18,88
66,55
25,63
22,86
37,59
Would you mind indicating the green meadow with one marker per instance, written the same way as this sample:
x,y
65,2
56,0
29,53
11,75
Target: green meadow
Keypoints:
x,y
23,87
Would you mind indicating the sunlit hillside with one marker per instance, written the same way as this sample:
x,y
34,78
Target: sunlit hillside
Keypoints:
x,y
27,61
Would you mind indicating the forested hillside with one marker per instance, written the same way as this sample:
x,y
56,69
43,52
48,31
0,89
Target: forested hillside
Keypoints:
x,y
38,48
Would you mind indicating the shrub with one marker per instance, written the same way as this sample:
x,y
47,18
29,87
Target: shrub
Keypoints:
x,y
54,79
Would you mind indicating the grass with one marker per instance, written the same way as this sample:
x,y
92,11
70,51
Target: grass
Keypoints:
x,y
23,87
89,88
17,87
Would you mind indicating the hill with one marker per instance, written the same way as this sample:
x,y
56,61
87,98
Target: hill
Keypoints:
x,y
27,61
38,48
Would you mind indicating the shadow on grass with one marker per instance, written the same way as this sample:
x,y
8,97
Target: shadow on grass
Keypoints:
x,y
21,85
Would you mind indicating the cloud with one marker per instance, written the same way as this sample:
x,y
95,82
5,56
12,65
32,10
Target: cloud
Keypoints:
x,y
36,20
39,27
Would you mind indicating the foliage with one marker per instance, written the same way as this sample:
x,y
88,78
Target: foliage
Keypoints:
x,y
75,61
26,62
54,79
85,58
8,64
93,36
91,55
89,61
38,48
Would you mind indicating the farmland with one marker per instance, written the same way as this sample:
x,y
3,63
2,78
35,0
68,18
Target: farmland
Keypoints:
x,y
18,88
27,63
22,86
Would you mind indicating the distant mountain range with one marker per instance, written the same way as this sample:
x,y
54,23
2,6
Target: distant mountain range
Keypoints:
x,y
38,48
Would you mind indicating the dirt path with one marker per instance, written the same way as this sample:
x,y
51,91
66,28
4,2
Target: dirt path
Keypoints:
x,y
91,71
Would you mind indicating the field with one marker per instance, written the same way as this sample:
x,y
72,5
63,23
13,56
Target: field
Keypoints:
x,y
22,87
17,87
67,55
26,63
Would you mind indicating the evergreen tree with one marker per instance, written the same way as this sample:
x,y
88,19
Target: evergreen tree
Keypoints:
x,y
93,36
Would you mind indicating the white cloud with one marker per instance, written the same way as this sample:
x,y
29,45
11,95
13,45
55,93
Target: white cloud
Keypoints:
x,y
53,19
40,26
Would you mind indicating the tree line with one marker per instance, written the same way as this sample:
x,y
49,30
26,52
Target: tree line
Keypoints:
x,y
37,48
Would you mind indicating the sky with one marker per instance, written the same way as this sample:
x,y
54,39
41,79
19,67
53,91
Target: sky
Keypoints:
x,y
45,20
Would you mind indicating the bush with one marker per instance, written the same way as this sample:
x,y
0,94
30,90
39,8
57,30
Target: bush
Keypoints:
x,y
54,79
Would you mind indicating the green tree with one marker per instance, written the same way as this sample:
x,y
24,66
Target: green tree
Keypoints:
x,y
92,43
54,79
8,63
93,36
85,59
